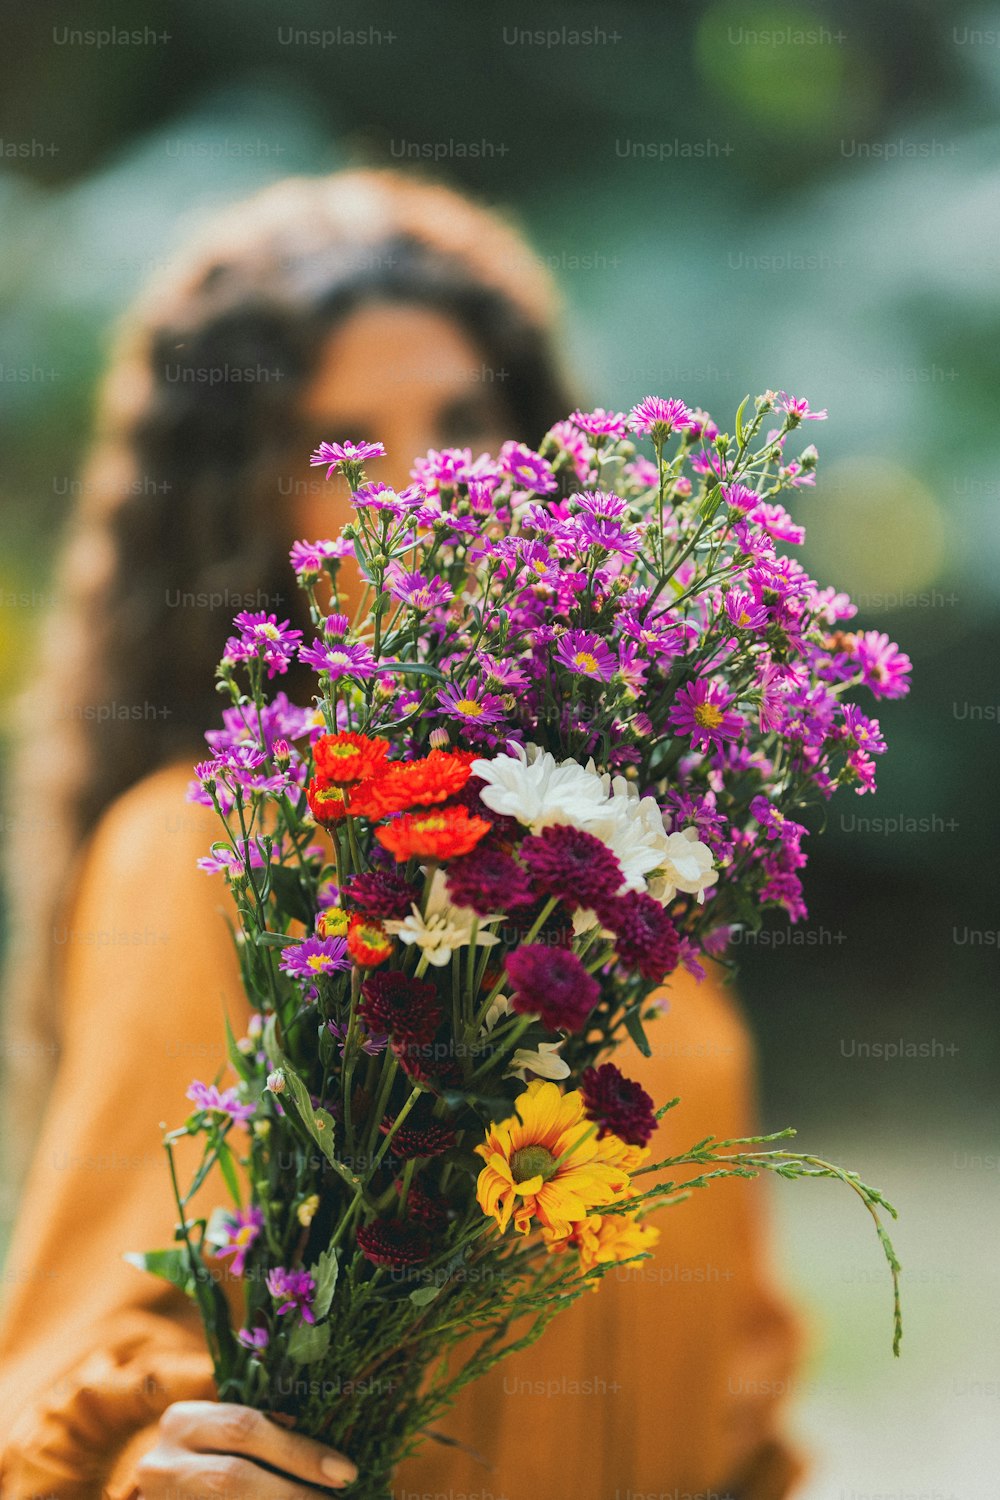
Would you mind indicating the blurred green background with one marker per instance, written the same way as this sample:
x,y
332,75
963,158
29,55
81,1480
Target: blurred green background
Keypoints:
x,y
731,196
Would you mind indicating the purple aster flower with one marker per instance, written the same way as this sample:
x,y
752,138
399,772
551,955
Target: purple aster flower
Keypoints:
x,y
745,611
314,956
527,468
372,1043
702,711
262,636
293,1291
586,654
778,523
600,423
242,1229
866,733
339,660
417,591
335,454
797,408
610,536
377,496
254,1338
309,558
601,503
225,1102
471,703
773,823
886,669
656,417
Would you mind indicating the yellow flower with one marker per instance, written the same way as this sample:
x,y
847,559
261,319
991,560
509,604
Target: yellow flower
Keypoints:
x,y
546,1163
605,1239
306,1211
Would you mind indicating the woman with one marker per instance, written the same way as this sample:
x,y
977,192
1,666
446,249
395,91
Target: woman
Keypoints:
x,y
364,305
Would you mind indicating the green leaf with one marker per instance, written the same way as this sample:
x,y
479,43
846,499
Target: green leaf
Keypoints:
x,y
241,1064
710,503
635,1029
423,1295
309,1342
172,1265
318,1122
227,1163
325,1273
741,432
292,898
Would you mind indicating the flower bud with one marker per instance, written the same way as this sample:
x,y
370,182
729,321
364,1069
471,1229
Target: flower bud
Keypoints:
x,y
306,1211
439,739
276,1082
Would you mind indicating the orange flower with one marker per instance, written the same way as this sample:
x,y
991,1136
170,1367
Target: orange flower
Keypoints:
x,y
344,758
327,802
402,785
442,833
368,943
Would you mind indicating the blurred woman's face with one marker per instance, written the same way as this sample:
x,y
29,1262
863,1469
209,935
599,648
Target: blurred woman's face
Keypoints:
x,y
405,376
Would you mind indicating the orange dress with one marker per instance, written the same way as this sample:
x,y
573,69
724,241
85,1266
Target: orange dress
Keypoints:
x,y
667,1380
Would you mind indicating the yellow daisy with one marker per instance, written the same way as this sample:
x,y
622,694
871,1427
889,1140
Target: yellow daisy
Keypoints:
x,y
546,1163
605,1239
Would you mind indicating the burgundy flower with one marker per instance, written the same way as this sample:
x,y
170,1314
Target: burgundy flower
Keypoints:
x,y
426,1208
553,984
432,1064
572,865
407,1009
619,1106
395,1243
645,938
488,881
420,1134
381,894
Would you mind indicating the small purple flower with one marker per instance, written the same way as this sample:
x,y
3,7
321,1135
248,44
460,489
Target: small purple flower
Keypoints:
x,y
602,504
417,591
587,654
702,711
778,523
335,454
377,496
886,669
745,611
600,423
739,498
657,416
372,1043
797,408
315,956
293,1291
242,1229
308,558
226,1102
471,703
527,468
254,1338
339,660
262,636
774,823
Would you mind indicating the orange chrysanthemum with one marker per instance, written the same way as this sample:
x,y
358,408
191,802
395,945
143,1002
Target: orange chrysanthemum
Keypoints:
x,y
441,833
327,801
604,1239
546,1164
345,758
368,943
402,785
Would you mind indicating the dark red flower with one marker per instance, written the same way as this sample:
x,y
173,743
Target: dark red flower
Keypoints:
x,y
407,1009
553,984
395,1243
488,881
645,938
426,1208
620,1106
572,865
431,1063
420,1134
382,893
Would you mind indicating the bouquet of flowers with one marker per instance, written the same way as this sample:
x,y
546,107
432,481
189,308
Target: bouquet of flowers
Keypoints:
x,y
560,750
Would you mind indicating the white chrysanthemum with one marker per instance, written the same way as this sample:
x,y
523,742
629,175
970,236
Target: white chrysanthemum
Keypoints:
x,y
688,866
442,927
531,787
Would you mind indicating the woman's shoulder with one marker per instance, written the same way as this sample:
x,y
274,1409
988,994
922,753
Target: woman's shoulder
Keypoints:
x,y
151,829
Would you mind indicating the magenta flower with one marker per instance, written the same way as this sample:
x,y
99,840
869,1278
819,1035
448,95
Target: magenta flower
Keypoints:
x,y
551,983
308,558
797,407
314,956
336,454
886,669
262,636
600,423
293,1291
242,1230
417,591
527,468
377,496
254,1338
866,733
778,523
702,711
657,416
745,611
226,1102
471,704
586,654
572,865
739,498
339,660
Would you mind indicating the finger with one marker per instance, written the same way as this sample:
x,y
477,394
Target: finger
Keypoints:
x,y
213,1427
226,1477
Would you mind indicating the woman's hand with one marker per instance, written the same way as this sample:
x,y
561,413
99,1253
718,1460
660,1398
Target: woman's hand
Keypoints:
x,y
207,1448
